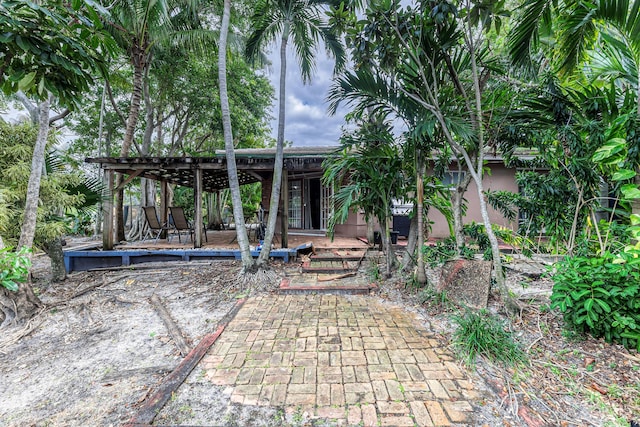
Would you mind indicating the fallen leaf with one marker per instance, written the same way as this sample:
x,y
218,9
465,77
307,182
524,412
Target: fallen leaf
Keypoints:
x,y
598,388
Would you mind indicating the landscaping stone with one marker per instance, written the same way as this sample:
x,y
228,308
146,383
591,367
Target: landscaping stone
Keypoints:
x,y
466,282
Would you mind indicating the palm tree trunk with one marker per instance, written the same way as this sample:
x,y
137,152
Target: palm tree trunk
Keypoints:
x,y
276,184
457,200
234,185
138,59
409,260
421,276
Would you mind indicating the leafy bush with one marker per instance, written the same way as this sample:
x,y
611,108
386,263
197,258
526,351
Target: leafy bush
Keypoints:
x,y
601,296
444,250
480,333
14,267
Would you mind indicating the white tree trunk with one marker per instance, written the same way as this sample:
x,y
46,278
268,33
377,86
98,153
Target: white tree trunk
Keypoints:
x,y
28,230
276,183
457,201
248,263
421,276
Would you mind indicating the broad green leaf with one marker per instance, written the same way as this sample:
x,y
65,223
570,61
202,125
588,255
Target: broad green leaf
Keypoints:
x,y
635,219
11,285
611,148
630,191
606,307
27,81
623,174
588,304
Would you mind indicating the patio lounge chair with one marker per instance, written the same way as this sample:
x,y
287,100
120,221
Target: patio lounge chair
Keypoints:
x,y
180,223
153,223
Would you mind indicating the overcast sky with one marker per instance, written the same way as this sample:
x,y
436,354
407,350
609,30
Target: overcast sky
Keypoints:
x,y
307,121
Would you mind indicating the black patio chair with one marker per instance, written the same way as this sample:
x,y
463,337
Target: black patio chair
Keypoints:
x,y
154,224
180,223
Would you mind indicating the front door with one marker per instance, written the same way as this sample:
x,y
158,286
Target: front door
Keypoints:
x,y
310,204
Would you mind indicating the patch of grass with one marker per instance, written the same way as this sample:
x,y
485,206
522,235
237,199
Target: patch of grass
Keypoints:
x,y
481,334
432,298
373,270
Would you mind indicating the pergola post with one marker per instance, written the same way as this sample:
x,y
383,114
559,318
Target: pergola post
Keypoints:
x,y
107,211
284,195
197,194
164,206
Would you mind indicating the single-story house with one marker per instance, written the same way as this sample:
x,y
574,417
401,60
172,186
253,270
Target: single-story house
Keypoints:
x,y
306,203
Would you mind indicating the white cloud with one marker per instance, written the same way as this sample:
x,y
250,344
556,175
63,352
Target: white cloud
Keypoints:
x,y
307,121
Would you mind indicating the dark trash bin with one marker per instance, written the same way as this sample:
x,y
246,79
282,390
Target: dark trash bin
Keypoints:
x,y
401,224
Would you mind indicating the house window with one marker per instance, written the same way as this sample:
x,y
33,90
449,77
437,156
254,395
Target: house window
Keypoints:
x,y
453,178
295,204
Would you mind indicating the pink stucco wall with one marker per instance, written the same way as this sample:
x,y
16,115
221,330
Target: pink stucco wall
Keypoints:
x,y
501,178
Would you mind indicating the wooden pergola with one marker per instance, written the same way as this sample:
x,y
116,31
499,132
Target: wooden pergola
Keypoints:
x,y
205,174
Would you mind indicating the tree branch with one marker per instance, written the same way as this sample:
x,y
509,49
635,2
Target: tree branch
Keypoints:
x,y
60,116
113,103
34,111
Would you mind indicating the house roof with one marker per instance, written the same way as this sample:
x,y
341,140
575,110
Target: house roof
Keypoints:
x,y
253,165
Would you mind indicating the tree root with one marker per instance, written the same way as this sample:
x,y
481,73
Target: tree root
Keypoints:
x,y
12,338
260,280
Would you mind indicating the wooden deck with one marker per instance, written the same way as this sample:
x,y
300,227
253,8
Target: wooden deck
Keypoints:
x,y
227,240
85,254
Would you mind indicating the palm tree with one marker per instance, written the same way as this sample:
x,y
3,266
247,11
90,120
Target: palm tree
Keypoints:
x,y
234,185
300,21
580,26
137,26
367,174
418,56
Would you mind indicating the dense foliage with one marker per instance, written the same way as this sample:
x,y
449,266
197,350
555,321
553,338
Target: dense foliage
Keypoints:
x,y
14,267
601,296
61,189
50,47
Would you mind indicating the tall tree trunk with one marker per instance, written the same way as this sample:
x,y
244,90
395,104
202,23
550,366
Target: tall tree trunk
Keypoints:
x,y
457,205
276,183
147,187
139,64
248,263
421,276
510,304
28,230
22,304
410,256
386,244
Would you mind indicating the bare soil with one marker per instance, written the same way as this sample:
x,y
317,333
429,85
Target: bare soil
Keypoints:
x,y
91,360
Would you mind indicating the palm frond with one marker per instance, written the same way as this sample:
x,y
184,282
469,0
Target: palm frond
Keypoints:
x,y
524,38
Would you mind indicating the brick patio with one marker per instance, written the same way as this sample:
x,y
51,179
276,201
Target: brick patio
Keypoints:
x,y
351,359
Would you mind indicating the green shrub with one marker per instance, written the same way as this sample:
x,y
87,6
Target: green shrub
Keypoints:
x,y
14,267
480,333
444,250
600,296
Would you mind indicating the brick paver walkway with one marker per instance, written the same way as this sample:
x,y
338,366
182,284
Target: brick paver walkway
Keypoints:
x,y
346,358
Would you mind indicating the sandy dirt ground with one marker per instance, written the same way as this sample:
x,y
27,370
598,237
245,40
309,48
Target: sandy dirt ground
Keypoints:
x,y
90,360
